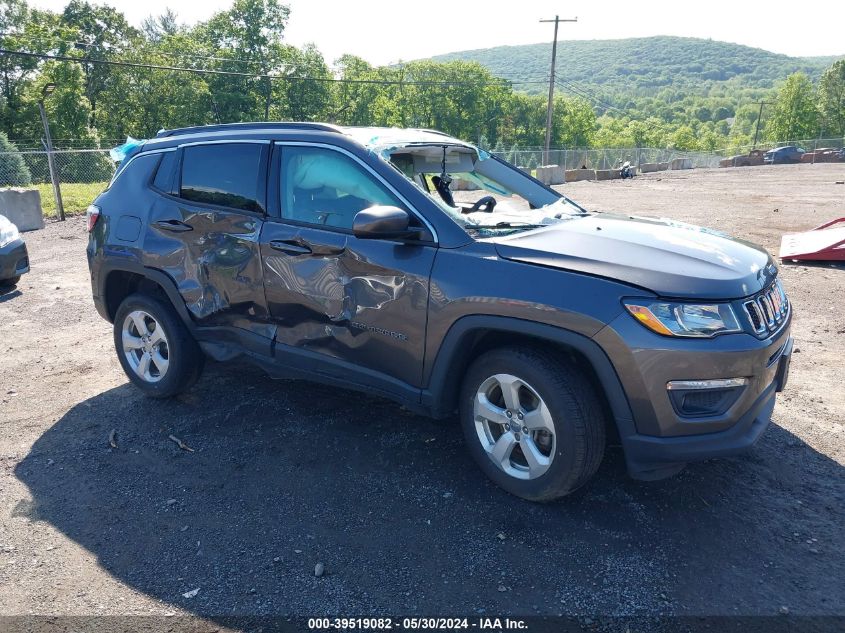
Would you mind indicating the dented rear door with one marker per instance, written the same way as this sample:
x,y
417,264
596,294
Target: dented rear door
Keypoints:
x,y
350,300
204,233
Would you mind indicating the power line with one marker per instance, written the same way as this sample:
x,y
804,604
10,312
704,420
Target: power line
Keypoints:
x,y
587,94
233,73
85,45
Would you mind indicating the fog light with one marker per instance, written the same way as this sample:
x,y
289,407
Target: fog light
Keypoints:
x,y
701,398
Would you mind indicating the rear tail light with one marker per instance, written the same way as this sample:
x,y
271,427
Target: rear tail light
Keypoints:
x,y
92,214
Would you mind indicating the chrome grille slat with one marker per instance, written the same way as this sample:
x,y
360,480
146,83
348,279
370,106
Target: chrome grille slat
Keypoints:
x,y
768,310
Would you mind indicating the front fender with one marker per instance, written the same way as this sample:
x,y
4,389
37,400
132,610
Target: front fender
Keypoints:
x,y
446,374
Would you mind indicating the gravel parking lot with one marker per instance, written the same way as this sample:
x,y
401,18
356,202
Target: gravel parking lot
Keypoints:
x,y
285,475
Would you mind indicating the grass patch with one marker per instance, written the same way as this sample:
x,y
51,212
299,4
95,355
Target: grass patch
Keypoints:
x,y
76,196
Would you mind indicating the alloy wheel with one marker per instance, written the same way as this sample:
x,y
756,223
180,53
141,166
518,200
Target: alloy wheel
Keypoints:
x,y
145,346
514,426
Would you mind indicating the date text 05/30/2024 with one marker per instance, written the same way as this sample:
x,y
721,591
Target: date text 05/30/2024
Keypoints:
x,y
409,624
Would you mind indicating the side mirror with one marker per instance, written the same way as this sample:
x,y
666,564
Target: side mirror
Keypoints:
x,y
383,222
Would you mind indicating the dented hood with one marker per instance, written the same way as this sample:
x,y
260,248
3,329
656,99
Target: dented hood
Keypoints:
x,y
669,258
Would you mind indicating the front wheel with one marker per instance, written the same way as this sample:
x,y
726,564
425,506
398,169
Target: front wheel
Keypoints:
x,y
154,347
532,422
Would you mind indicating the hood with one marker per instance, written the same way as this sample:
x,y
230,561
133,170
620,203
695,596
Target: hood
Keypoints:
x,y
672,259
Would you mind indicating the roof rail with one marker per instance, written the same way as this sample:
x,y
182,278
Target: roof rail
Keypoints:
x,y
256,125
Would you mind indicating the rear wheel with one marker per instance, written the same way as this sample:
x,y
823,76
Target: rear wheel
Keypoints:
x,y
11,281
532,422
154,347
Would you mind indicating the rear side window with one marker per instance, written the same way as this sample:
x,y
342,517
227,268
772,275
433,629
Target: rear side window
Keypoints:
x,y
164,176
227,174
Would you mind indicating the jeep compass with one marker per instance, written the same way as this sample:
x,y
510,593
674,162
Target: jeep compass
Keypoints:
x,y
413,265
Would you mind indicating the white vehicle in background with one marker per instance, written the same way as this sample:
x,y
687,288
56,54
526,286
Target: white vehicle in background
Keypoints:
x,y
14,259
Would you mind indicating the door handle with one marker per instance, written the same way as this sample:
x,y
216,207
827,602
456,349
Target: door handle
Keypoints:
x,y
292,247
326,249
173,225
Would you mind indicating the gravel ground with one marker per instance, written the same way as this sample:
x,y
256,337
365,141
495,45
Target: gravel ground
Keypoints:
x,y
286,475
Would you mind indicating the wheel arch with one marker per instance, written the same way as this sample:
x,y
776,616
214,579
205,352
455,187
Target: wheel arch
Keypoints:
x,y
120,281
473,335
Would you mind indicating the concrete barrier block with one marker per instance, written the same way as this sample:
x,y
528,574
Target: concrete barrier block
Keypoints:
x,y
22,207
681,163
608,174
551,174
557,174
574,175
647,168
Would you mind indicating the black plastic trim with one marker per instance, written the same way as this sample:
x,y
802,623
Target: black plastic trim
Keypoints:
x,y
167,284
648,457
437,397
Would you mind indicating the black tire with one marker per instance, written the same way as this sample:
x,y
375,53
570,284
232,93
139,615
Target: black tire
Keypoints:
x,y
10,282
575,408
185,358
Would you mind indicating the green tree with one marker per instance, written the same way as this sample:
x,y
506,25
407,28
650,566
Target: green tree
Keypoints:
x,y
247,38
142,101
574,123
100,33
683,138
832,98
794,114
306,96
13,171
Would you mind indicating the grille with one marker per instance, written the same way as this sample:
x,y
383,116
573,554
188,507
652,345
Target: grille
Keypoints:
x,y
768,310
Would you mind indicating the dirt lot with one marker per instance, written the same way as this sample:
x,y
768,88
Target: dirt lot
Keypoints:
x,y
285,475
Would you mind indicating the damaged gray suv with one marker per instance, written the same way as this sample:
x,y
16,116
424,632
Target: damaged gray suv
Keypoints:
x,y
415,266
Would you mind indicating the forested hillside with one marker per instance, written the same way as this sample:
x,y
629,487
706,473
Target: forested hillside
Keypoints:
x,y
101,79
643,66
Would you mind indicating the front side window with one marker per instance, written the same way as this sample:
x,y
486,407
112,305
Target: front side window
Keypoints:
x,y
225,174
324,187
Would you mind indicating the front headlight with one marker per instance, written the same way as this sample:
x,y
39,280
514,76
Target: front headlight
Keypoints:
x,y
684,319
8,232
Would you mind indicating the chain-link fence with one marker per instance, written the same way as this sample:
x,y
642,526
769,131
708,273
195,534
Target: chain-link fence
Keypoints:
x,y
605,158
816,150
19,169
82,174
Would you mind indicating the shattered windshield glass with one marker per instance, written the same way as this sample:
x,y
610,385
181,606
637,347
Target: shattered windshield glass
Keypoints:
x,y
481,193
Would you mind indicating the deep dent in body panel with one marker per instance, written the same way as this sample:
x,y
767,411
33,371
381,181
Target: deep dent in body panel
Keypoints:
x,y
340,294
219,275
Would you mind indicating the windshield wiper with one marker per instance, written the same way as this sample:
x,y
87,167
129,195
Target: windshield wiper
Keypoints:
x,y
507,225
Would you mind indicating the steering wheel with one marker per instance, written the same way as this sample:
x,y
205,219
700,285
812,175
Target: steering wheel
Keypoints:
x,y
487,202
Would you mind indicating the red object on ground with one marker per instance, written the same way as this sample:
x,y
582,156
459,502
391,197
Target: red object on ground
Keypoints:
x,y
820,243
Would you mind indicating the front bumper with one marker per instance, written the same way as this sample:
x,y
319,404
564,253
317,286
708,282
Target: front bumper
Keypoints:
x,y
14,260
650,457
660,440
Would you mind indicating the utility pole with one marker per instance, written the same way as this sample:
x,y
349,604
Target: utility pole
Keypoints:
x,y
759,116
48,144
550,106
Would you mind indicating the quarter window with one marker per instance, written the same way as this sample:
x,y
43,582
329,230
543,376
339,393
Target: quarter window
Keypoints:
x,y
226,174
164,175
327,188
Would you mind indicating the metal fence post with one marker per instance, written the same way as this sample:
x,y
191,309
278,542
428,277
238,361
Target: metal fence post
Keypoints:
x,y
54,177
